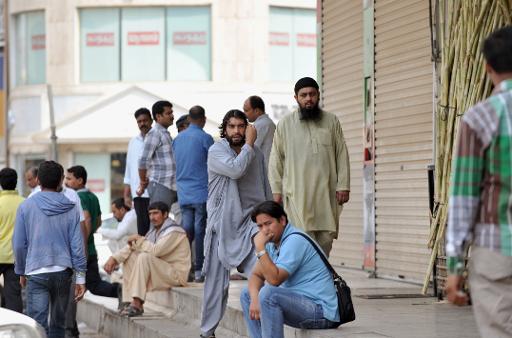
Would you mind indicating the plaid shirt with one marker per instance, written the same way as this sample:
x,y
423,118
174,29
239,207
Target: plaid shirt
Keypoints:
x,y
480,205
158,158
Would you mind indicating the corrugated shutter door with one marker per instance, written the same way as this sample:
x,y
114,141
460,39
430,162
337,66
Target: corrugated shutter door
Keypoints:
x,y
403,137
342,57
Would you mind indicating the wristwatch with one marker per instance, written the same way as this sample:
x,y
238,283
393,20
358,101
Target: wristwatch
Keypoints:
x,y
260,253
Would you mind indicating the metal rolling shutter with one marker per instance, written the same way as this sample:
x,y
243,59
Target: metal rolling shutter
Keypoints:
x,y
342,73
403,137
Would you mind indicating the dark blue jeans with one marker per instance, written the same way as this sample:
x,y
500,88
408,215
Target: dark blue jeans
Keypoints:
x,y
279,306
193,219
48,293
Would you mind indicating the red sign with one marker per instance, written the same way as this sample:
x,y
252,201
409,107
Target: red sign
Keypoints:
x,y
189,38
306,40
38,42
143,38
99,39
279,39
96,185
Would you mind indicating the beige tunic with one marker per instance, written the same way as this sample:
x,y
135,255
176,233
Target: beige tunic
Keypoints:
x,y
159,265
308,164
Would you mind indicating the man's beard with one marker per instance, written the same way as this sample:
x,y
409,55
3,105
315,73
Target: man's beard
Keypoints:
x,y
234,143
312,113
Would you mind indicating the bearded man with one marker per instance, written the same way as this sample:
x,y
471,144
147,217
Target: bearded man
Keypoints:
x,y
309,169
237,182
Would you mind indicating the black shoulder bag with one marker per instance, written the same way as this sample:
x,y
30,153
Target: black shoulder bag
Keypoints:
x,y
345,306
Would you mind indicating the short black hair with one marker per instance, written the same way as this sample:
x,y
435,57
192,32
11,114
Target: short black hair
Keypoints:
x,y
256,102
33,171
119,203
232,113
50,174
497,50
79,172
142,111
159,205
8,179
183,120
196,113
271,208
158,108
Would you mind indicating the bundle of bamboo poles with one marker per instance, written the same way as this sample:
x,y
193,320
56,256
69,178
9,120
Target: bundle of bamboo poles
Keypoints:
x,y
462,26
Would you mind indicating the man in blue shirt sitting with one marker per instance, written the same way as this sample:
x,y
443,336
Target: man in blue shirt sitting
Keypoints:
x,y
191,153
299,289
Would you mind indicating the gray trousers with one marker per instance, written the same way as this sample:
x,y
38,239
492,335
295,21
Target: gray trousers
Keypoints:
x,y
490,282
161,193
216,287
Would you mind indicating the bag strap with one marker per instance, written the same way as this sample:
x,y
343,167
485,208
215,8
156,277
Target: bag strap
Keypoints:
x,y
321,254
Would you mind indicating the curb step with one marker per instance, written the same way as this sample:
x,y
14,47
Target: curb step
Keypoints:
x,y
187,303
100,315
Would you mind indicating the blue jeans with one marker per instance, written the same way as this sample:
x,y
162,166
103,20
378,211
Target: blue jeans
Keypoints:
x,y
193,219
279,306
48,293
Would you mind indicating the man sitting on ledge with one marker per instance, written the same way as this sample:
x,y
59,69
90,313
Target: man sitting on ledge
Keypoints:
x,y
159,260
299,290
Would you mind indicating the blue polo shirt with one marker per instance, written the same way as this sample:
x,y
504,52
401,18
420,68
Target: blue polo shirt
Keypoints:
x,y
191,154
308,274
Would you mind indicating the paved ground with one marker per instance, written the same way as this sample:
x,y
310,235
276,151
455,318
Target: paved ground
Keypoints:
x,y
409,316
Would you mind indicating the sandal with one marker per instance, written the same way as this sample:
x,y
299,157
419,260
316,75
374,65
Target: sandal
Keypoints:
x,y
122,307
132,311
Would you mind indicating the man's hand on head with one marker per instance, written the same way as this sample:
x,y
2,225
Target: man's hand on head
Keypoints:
x,y
250,135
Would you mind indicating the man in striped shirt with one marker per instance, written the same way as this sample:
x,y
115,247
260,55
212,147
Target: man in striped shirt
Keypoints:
x,y
480,206
157,167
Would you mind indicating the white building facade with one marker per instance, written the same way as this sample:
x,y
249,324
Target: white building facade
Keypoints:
x,y
105,59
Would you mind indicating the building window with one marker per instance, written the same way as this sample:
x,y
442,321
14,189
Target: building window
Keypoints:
x,y
30,48
292,44
99,45
145,44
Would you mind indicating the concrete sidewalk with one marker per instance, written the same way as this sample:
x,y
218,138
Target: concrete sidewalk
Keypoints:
x,y
384,308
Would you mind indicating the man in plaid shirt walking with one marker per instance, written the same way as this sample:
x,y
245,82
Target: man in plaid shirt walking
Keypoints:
x,y
480,206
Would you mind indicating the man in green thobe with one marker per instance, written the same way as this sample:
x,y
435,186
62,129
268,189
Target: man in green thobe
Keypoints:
x,y
309,168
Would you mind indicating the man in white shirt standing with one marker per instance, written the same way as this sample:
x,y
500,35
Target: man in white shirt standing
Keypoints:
x,y
118,237
131,175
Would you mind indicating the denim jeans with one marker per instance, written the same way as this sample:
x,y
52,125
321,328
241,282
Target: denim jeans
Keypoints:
x,y
279,306
48,293
193,219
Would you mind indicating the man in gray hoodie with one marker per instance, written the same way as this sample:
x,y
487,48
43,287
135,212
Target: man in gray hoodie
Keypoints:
x,y
48,246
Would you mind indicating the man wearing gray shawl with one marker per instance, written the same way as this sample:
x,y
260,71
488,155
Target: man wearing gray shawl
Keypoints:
x,y
237,182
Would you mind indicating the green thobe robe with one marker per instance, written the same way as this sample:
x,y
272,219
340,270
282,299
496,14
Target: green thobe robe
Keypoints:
x,y
308,164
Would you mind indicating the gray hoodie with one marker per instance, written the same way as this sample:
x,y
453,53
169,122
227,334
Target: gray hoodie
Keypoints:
x,y
47,233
